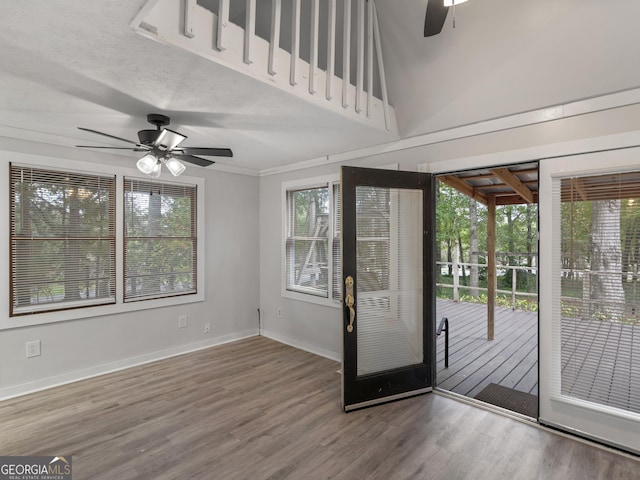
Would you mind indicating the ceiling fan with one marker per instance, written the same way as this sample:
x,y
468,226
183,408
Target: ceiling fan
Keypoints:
x,y
161,146
437,14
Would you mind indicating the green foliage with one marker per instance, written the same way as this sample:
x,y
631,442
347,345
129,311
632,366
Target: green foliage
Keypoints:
x,y
159,242
61,222
529,305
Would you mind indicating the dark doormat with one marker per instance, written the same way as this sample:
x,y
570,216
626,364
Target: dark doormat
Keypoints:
x,y
514,400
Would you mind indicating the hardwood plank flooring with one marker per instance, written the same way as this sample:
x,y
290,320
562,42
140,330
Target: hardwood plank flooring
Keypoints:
x,y
256,409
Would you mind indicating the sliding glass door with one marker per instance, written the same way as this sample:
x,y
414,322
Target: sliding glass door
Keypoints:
x,y
590,296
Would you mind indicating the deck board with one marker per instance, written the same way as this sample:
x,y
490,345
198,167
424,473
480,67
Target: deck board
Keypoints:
x,y
598,362
511,359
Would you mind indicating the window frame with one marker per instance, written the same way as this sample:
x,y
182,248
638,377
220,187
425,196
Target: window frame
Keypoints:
x,y
193,238
119,307
324,181
110,237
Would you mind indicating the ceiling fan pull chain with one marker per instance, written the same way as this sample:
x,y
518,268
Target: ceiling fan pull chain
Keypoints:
x,y
454,13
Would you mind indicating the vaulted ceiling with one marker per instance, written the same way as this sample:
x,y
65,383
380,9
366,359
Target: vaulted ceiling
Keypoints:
x,y
70,63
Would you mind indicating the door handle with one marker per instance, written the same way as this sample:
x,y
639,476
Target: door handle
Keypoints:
x,y
349,302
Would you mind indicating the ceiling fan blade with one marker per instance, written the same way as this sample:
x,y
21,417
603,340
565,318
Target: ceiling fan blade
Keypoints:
x,y
134,149
435,18
107,135
202,162
211,152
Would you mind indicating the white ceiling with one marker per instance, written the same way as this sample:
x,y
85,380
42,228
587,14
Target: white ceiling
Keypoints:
x,y
70,63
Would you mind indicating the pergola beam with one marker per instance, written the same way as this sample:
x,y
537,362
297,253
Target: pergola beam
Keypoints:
x,y
463,187
514,182
511,199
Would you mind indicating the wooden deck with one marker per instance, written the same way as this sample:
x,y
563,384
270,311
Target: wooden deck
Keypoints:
x,y
510,360
600,362
599,359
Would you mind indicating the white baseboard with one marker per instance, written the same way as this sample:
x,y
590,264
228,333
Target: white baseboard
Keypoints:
x,y
307,347
77,375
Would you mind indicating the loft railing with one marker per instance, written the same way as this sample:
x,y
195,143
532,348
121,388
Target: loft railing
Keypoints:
x,y
346,67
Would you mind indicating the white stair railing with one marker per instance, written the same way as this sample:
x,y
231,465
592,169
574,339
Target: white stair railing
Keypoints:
x,y
211,33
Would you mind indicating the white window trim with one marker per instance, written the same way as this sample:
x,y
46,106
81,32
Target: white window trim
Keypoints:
x,y
119,307
307,183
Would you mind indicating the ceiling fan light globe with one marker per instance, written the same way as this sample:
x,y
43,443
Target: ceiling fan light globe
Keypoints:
x,y
449,3
175,166
147,164
157,170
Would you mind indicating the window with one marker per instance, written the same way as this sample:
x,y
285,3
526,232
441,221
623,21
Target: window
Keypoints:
x,y
312,239
62,240
160,241
600,293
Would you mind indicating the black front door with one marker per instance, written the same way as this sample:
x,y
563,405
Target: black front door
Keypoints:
x,y
388,222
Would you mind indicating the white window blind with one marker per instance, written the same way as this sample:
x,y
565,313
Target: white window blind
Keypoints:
x,y
62,240
336,248
160,239
600,289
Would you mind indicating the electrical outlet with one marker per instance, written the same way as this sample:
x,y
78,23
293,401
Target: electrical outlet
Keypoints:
x,y
207,327
183,321
279,312
33,349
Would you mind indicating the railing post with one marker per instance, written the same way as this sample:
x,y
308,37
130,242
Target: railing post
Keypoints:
x,y
456,279
295,41
223,23
274,44
249,31
346,54
586,293
189,12
514,284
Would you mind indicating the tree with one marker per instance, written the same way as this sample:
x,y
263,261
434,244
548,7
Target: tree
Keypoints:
x,y
607,293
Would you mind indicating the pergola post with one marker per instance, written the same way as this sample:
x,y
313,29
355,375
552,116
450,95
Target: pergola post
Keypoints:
x,y
491,264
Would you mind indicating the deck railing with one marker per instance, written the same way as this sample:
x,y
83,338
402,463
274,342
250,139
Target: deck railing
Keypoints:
x,y
456,269
333,55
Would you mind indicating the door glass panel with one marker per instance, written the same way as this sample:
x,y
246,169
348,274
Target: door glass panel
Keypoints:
x,y
600,293
389,237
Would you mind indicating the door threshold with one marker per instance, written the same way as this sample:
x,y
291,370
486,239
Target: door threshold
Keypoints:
x,y
377,401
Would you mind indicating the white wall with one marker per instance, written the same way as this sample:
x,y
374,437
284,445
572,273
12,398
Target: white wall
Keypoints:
x,y
318,328
86,346
505,57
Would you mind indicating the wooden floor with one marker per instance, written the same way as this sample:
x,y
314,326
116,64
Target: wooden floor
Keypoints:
x,y
257,409
510,359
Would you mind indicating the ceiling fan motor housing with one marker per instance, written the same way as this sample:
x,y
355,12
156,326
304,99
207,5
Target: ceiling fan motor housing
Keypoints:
x,y
147,137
